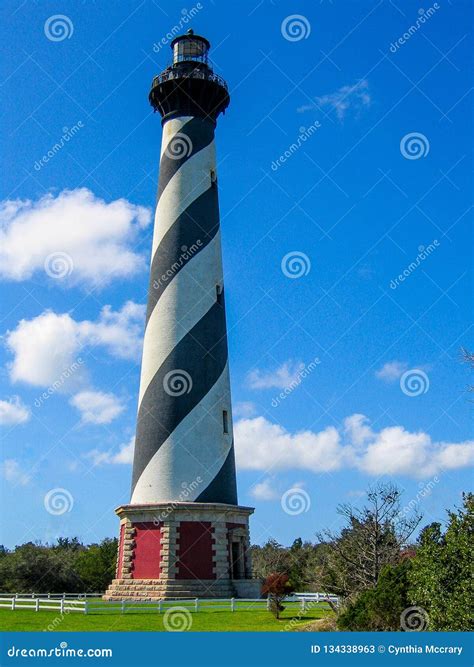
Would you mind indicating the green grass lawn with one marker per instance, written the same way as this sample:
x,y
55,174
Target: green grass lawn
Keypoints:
x,y
204,621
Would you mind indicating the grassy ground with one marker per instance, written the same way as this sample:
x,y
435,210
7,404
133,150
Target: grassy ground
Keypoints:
x,y
206,620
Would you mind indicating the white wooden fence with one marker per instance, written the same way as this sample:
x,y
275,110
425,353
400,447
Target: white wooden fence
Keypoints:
x,y
62,605
65,605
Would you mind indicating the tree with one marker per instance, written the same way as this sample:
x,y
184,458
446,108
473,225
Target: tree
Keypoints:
x,y
96,565
372,538
36,568
441,576
379,608
277,586
271,557
468,358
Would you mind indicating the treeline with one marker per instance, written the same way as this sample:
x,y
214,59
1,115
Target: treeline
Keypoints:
x,y
385,581
65,567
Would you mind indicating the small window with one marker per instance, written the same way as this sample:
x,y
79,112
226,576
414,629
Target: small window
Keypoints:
x,y
219,293
225,421
213,178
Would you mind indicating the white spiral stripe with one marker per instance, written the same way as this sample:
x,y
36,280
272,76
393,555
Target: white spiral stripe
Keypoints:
x,y
188,297
191,180
196,448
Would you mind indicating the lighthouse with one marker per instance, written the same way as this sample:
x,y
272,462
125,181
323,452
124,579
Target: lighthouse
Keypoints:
x,y
183,533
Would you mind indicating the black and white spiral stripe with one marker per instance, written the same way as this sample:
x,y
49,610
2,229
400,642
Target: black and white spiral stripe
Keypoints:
x,y
180,434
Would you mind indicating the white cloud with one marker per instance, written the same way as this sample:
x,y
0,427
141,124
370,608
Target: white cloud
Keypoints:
x,y
281,378
264,490
13,411
123,456
244,409
97,407
12,472
391,371
355,97
95,236
47,348
262,445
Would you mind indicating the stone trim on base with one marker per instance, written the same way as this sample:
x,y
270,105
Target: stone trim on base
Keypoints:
x,y
225,557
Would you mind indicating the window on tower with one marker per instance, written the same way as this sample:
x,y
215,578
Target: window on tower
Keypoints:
x,y
225,421
219,294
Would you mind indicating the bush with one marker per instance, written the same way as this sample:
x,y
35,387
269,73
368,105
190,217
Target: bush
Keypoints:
x,y
277,586
379,608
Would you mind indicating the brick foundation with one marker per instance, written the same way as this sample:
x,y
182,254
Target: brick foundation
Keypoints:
x,y
183,550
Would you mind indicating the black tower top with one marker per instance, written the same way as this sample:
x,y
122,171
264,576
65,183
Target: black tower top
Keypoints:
x,y
189,86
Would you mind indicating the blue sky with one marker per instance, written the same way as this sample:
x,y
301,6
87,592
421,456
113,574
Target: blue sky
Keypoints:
x,y
375,134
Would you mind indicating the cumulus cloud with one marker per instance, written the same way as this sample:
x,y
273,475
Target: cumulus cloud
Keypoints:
x,y
46,349
264,490
92,236
262,445
391,371
12,411
244,409
124,455
13,473
353,97
280,378
97,407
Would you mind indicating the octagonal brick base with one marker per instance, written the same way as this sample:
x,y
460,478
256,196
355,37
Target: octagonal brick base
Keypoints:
x,y
183,550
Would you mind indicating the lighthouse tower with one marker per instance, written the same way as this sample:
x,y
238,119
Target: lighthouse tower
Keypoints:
x,y
183,534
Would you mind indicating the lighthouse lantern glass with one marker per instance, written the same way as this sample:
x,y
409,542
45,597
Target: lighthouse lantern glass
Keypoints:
x,y
190,48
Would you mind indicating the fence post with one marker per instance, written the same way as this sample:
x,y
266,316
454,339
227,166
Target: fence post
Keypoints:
x,y
232,605
268,603
61,605
13,603
85,606
159,606
196,604
37,604
49,596
317,598
122,607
